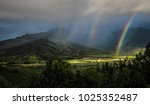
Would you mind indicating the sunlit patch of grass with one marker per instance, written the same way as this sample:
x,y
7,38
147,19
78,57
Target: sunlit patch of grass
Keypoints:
x,y
124,57
3,63
99,60
80,61
30,65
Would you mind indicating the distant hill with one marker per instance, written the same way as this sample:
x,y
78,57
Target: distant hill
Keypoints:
x,y
44,45
54,34
135,38
138,37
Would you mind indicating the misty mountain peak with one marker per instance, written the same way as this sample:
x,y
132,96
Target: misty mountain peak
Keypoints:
x,y
58,33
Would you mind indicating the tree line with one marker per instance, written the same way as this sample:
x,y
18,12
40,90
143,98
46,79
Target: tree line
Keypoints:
x,y
126,73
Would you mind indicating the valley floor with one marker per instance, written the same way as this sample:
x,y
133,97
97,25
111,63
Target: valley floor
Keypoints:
x,y
16,75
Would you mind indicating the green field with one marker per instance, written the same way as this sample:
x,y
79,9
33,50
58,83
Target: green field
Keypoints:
x,y
16,75
99,60
87,62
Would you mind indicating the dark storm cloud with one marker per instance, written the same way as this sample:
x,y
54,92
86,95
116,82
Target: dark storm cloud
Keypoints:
x,y
27,16
67,9
41,9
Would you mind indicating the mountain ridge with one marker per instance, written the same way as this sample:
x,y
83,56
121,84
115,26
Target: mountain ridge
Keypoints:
x,y
135,37
44,45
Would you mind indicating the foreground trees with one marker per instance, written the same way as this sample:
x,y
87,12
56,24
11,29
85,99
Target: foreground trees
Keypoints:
x,y
123,74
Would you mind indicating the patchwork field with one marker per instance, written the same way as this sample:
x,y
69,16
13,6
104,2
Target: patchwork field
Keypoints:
x,y
87,62
15,75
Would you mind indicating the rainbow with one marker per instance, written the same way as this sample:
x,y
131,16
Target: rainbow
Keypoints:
x,y
123,34
92,35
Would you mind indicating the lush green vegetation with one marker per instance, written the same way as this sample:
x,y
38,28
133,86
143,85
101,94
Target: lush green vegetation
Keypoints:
x,y
124,73
92,71
98,59
18,75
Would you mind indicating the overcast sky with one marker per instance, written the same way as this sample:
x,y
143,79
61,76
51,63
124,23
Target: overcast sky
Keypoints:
x,y
20,12
64,9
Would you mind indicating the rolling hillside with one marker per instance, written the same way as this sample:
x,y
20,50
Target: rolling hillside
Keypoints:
x,y
135,38
43,45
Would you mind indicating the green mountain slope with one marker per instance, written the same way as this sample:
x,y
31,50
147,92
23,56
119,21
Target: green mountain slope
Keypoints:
x,y
43,45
